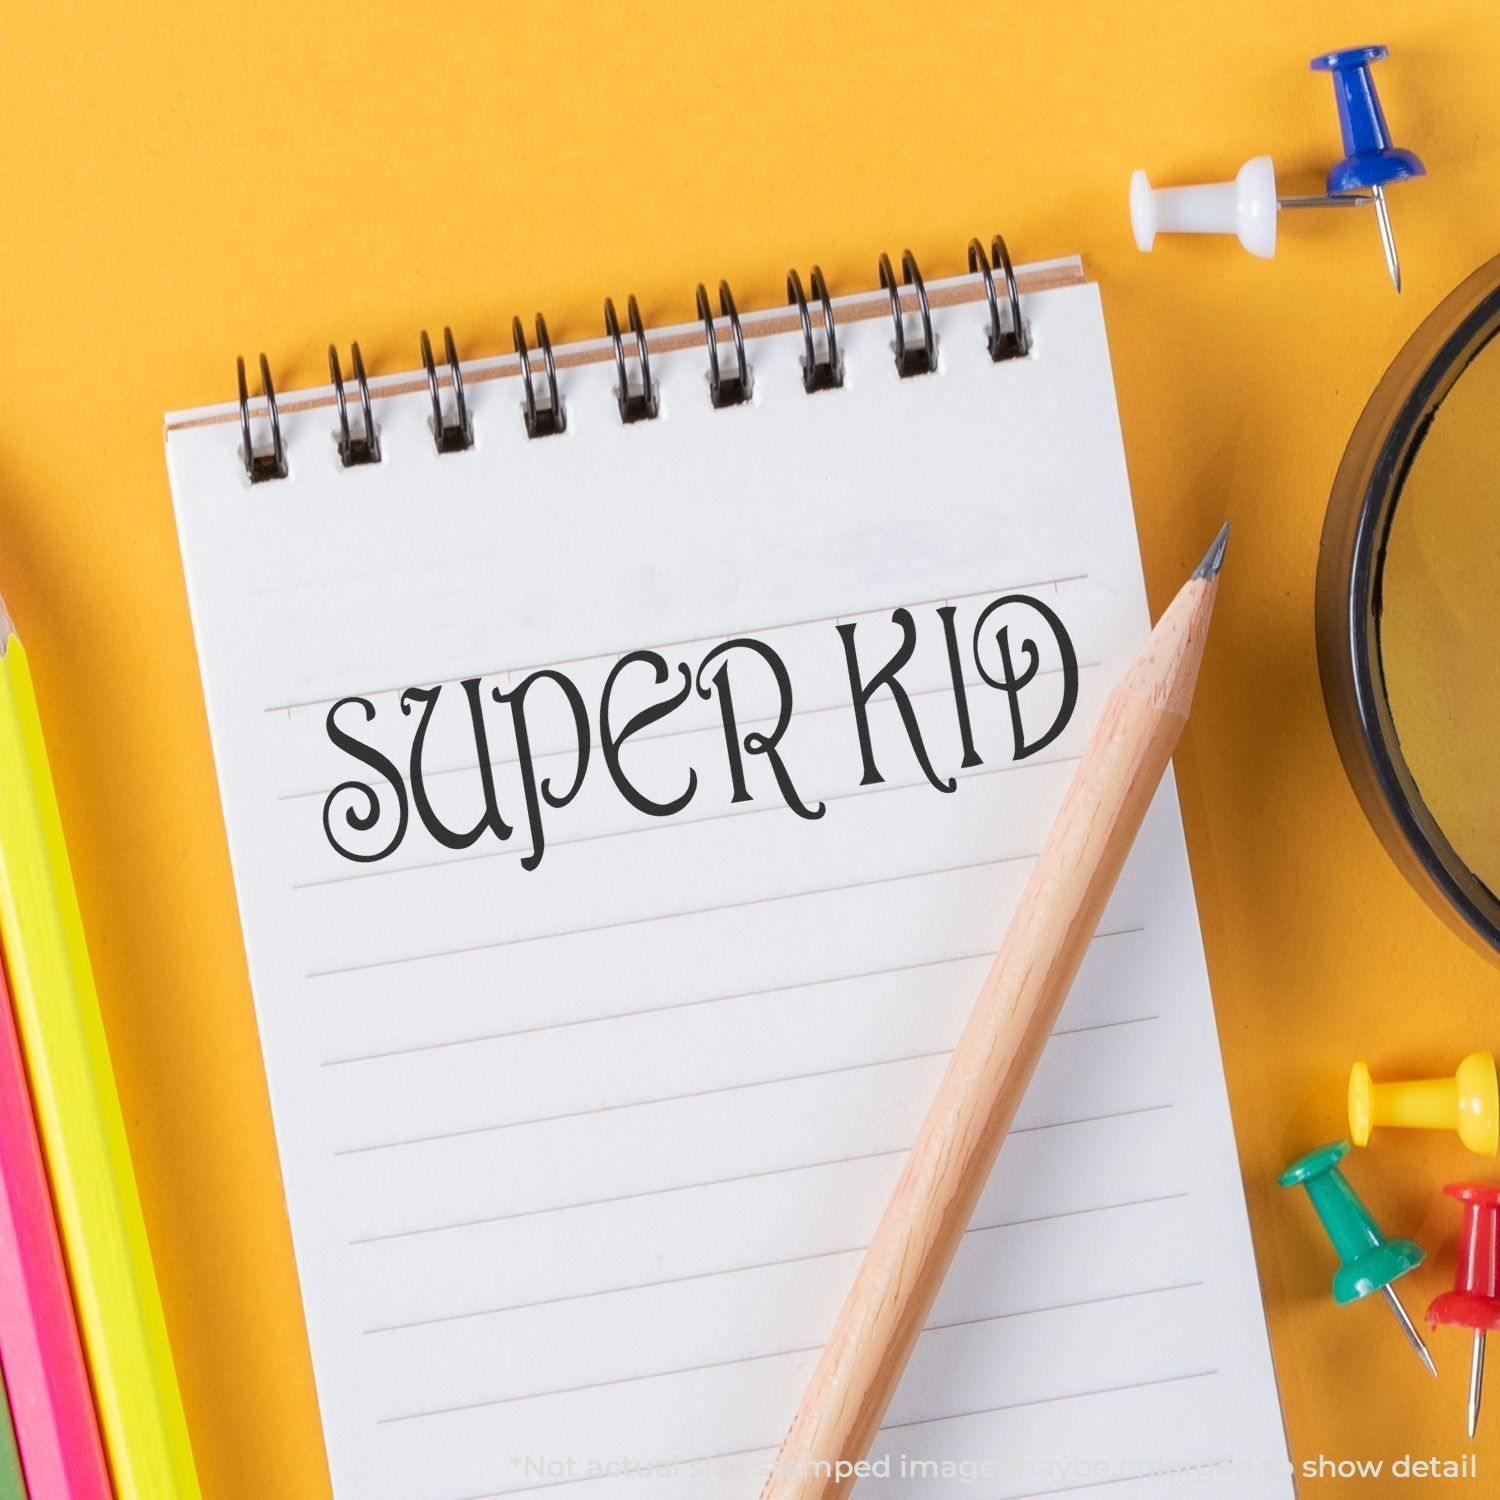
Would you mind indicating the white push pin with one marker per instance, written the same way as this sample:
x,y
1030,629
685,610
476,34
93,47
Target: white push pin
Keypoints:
x,y
1245,208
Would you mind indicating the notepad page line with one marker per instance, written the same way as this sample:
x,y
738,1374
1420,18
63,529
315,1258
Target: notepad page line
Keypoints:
x,y
926,1055
699,1003
646,736
515,851
608,1109
667,916
658,1010
746,1359
529,1213
1096,1484
676,645
770,1448
764,1265
1111,1390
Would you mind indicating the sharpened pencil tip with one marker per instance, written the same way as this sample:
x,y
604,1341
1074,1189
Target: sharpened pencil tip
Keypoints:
x,y
1213,559
6,628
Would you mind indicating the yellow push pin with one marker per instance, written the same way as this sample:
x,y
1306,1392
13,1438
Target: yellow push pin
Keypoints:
x,y
1469,1103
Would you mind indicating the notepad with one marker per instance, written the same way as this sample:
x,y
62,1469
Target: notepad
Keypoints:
x,y
622,819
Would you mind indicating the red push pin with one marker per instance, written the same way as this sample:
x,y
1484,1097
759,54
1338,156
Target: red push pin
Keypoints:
x,y
1474,1301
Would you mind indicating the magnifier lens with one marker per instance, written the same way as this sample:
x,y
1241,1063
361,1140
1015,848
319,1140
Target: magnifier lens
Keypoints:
x,y
1439,616
1408,610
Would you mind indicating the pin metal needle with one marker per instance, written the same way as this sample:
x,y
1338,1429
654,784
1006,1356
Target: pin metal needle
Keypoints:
x,y
1476,1381
1371,159
1474,1302
1368,1260
1387,239
1327,200
1409,1329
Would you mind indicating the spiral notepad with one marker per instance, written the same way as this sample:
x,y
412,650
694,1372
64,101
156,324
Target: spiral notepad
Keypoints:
x,y
631,752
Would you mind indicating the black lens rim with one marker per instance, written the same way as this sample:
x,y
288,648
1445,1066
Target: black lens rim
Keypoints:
x,y
1351,562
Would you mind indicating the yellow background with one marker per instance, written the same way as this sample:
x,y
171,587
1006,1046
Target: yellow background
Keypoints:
x,y
184,183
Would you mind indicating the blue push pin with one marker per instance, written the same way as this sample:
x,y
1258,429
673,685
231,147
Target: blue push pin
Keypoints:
x,y
1370,160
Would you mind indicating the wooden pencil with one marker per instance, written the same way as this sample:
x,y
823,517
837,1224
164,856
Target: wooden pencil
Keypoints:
x,y
1017,1008
46,1380
78,1115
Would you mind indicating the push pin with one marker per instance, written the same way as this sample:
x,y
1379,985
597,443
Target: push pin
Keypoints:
x,y
1469,1103
1370,160
1369,1262
1248,207
1474,1302
1245,208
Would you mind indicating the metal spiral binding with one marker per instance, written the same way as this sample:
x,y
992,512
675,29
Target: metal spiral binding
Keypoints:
x,y
724,390
1005,343
826,374
364,449
259,466
729,383
635,406
455,436
918,359
541,421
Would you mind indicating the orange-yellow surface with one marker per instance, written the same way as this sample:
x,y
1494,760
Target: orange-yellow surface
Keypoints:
x,y
186,182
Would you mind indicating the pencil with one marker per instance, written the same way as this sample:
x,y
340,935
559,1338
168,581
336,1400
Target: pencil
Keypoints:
x,y
78,1115
1017,1008
46,1380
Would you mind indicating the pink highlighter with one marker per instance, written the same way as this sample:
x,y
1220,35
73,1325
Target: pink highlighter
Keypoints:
x,y
46,1379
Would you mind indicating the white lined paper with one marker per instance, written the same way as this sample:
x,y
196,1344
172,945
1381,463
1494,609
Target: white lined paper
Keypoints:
x,y
580,1159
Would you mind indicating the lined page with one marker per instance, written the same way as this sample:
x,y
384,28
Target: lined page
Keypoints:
x,y
584,1128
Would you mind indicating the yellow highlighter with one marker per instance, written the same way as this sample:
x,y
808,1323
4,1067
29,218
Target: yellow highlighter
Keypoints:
x,y
78,1115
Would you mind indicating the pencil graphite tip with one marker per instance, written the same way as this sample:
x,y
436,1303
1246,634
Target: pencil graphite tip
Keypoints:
x,y
1213,559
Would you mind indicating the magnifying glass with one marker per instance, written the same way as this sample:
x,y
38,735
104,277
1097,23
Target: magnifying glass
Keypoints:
x,y
1408,608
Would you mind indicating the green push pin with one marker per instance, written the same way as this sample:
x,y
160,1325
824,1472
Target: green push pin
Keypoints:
x,y
1369,1261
